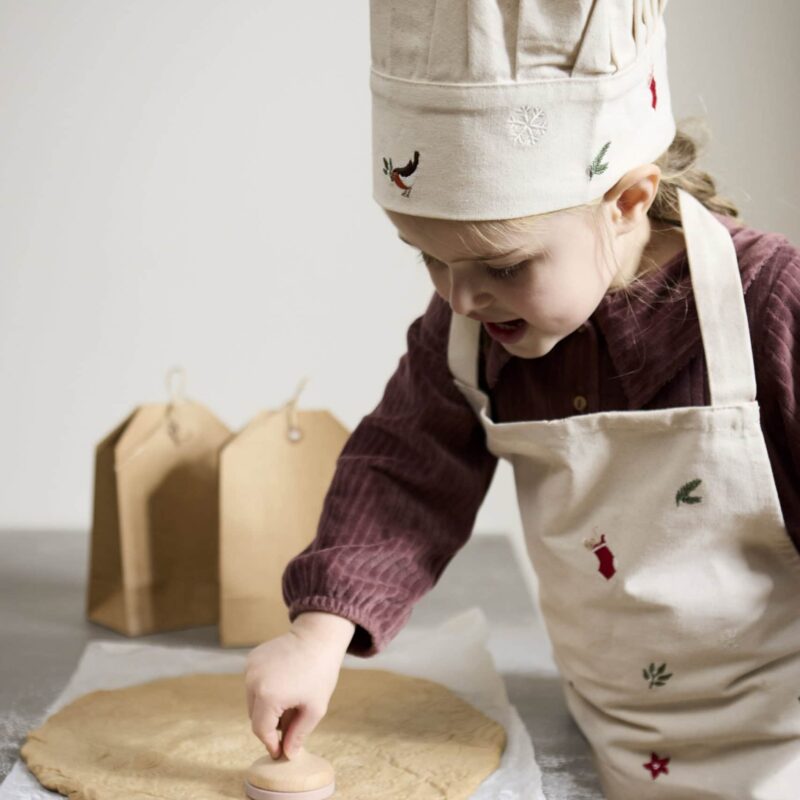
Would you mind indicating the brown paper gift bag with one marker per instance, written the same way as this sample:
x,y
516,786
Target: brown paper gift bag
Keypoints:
x,y
154,556
274,476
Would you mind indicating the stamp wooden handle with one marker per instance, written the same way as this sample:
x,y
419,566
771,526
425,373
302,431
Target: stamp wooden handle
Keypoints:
x,y
305,776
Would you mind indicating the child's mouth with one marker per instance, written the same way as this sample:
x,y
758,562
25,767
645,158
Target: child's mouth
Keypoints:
x,y
506,332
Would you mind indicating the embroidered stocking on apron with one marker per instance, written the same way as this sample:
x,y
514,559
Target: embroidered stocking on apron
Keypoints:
x,y
668,583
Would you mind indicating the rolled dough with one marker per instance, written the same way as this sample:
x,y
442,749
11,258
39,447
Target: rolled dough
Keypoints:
x,y
387,735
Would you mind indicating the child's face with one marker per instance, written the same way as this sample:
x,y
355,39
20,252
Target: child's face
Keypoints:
x,y
551,279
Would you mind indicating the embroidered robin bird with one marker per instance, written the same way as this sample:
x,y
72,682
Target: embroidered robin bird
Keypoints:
x,y
404,176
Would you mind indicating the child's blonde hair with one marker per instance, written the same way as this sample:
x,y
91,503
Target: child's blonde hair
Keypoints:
x,y
678,170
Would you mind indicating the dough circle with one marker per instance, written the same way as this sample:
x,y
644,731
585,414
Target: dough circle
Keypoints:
x,y
387,735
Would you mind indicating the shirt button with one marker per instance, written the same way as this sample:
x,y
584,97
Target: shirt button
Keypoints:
x,y
579,402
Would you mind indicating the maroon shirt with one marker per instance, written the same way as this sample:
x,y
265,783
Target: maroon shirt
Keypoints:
x,y
411,477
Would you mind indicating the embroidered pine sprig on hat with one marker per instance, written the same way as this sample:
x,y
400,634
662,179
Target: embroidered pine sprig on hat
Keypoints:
x,y
597,166
656,675
684,494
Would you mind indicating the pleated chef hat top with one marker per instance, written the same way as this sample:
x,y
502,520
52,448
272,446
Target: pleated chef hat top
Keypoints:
x,y
493,109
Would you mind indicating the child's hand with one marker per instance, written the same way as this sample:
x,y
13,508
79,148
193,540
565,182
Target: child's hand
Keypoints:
x,y
290,679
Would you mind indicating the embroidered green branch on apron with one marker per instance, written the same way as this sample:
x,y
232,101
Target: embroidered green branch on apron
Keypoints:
x,y
685,495
658,676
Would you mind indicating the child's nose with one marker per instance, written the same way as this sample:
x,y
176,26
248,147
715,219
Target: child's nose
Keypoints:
x,y
466,297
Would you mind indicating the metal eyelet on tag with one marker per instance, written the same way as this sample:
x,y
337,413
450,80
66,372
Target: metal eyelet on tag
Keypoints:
x,y
294,434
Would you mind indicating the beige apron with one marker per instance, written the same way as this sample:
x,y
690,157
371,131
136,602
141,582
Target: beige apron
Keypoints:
x,y
668,583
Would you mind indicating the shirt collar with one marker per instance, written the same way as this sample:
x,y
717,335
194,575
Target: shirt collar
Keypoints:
x,y
651,330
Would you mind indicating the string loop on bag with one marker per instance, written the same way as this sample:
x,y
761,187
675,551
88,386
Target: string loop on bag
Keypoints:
x,y
176,387
293,430
177,397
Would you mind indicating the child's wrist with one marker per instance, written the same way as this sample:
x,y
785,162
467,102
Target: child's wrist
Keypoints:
x,y
324,626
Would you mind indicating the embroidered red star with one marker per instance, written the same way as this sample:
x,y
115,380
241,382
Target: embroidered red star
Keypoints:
x,y
657,765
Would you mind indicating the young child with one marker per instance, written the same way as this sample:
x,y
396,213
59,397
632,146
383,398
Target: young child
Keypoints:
x,y
601,320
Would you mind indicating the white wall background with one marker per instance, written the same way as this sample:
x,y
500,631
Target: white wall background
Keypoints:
x,y
188,182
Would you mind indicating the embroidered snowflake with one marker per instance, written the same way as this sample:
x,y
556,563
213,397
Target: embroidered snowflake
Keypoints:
x,y
527,125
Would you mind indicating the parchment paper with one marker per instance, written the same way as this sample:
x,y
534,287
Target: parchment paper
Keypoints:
x,y
454,654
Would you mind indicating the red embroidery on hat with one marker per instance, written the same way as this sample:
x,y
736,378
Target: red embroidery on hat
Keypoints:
x,y
403,177
653,89
604,555
597,167
657,765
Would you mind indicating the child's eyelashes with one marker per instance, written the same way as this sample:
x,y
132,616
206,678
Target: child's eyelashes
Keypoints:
x,y
498,273
505,272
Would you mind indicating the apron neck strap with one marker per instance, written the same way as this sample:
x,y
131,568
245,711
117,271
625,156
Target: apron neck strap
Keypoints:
x,y
462,349
719,299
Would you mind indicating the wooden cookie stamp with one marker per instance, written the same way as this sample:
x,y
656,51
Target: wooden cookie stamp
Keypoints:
x,y
304,777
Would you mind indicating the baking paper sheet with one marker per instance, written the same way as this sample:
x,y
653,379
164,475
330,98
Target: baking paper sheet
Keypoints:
x,y
453,654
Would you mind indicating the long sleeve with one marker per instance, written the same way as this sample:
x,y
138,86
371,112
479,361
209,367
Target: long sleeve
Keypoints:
x,y
776,348
405,493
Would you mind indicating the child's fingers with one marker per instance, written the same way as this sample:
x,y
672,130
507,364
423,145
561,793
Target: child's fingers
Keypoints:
x,y
264,724
299,727
286,718
284,723
273,745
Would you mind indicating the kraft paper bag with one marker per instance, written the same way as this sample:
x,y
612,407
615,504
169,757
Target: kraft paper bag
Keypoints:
x,y
274,476
154,555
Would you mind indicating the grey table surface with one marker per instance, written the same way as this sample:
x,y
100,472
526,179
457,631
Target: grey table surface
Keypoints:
x,y
43,631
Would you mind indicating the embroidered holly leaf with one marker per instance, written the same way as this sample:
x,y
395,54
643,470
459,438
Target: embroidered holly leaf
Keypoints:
x,y
597,167
656,675
684,494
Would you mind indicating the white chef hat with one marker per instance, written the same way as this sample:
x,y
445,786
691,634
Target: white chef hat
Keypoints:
x,y
494,109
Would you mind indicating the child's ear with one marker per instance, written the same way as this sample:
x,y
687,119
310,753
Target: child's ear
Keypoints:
x,y
631,197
